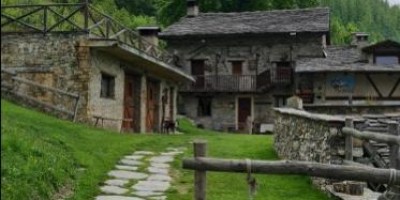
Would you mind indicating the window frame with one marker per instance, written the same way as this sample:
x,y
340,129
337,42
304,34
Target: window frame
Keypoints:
x,y
385,55
107,81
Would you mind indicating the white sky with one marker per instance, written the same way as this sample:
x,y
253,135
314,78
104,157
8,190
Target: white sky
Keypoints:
x,y
394,2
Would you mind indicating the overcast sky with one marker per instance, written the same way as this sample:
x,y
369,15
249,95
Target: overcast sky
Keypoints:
x,y
394,2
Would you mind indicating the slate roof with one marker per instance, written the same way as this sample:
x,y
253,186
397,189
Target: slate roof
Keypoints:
x,y
259,22
341,58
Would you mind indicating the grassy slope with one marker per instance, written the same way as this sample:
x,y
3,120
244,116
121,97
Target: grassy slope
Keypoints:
x,y
41,154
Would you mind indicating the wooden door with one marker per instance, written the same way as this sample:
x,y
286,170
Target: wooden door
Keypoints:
x,y
151,113
244,111
237,68
198,73
171,103
129,105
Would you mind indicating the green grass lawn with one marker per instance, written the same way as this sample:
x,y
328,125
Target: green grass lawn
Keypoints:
x,y
45,158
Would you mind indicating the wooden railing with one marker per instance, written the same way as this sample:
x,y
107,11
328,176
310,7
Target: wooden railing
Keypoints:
x,y
201,164
22,88
223,83
392,139
75,18
283,76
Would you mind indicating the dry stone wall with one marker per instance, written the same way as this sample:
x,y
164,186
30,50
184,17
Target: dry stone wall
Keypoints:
x,y
55,60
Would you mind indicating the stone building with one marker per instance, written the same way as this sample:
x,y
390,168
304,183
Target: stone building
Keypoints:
x,y
357,78
122,77
243,63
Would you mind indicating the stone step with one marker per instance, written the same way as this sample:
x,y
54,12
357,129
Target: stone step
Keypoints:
x,y
114,197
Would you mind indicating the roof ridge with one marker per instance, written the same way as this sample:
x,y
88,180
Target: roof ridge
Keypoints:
x,y
266,11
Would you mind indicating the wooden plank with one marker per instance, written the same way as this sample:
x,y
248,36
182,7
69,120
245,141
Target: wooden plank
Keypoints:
x,y
375,158
349,140
17,19
338,172
44,87
76,108
394,88
4,7
365,135
200,178
394,160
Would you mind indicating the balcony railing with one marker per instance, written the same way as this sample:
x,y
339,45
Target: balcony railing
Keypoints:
x,y
223,83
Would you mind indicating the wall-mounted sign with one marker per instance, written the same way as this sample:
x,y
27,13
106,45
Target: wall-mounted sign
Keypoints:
x,y
342,83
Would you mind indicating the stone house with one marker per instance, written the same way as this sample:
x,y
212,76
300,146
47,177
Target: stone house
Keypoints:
x,y
122,78
243,63
357,78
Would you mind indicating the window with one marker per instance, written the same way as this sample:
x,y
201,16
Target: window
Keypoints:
x,y
386,60
237,67
280,101
283,73
204,107
107,86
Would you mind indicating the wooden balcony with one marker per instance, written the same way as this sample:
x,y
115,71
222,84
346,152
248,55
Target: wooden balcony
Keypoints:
x,y
229,83
222,83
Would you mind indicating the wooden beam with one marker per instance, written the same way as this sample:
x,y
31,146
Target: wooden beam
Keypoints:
x,y
394,88
12,19
366,135
338,172
45,87
374,85
349,140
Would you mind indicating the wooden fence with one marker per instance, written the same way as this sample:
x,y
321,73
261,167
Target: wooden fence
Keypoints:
x,y
75,18
10,83
201,164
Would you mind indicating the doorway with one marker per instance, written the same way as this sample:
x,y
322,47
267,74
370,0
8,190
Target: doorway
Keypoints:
x,y
244,110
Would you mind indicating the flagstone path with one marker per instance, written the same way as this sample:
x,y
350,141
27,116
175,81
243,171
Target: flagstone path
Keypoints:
x,y
144,175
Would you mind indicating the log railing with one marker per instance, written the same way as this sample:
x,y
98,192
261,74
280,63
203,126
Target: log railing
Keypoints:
x,y
392,139
75,18
201,164
20,87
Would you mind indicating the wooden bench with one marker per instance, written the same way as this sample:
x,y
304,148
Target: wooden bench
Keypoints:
x,y
102,118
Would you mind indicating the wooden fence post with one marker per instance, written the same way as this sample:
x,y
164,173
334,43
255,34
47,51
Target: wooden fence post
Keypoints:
x,y
200,179
349,141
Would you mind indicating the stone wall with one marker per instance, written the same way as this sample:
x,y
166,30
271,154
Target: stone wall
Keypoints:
x,y
224,110
349,110
54,60
100,106
258,54
305,136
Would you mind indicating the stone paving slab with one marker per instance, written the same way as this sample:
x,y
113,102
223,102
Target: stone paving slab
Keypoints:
x,y
147,193
113,197
162,159
159,177
158,198
172,153
116,182
147,153
109,189
134,157
160,186
159,165
121,174
155,170
126,167
131,162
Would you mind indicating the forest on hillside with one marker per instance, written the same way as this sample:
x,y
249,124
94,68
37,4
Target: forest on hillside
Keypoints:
x,y
373,16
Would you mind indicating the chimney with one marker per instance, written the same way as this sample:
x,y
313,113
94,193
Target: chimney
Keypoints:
x,y
149,33
360,39
192,8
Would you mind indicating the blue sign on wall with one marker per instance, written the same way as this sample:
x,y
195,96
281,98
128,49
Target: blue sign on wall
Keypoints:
x,y
342,83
